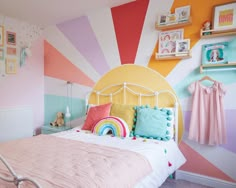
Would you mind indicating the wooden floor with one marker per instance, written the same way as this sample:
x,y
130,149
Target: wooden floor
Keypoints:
x,y
171,183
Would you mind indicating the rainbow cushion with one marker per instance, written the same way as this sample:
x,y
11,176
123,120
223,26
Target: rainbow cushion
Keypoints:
x,y
116,125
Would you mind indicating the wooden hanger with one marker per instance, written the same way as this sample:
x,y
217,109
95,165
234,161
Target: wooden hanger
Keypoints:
x,y
207,78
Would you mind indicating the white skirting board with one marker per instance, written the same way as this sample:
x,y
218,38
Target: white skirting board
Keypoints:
x,y
16,122
203,180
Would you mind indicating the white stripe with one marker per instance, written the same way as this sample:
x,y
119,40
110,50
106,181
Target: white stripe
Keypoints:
x,y
58,87
56,38
106,36
149,35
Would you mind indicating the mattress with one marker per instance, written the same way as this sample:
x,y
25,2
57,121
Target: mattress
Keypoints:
x,y
164,156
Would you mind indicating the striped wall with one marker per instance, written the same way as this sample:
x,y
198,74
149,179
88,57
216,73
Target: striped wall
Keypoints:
x,y
84,49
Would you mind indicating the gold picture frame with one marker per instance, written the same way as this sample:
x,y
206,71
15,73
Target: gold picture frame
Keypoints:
x,y
11,66
1,36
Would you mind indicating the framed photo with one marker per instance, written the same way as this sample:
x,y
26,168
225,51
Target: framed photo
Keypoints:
x,y
182,46
11,38
171,19
11,66
224,16
1,54
167,41
162,19
183,13
11,51
215,53
1,35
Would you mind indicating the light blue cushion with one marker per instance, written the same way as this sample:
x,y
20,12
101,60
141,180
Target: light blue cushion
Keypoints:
x,y
152,123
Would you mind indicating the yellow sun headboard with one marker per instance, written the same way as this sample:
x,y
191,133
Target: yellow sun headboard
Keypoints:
x,y
137,85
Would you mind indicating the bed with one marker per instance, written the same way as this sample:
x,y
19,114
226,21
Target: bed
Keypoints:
x,y
129,138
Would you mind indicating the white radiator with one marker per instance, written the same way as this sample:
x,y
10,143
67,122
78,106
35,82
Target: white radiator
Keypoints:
x,y
16,122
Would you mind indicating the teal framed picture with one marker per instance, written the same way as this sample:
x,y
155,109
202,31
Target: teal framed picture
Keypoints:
x,y
216,53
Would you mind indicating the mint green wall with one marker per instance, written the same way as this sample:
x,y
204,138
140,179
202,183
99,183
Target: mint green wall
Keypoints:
x,y
54,104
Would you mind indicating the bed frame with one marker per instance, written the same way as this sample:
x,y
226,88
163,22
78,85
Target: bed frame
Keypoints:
x,y
135,94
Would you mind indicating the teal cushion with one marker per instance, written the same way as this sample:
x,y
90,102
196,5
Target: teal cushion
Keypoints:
x,y
152,123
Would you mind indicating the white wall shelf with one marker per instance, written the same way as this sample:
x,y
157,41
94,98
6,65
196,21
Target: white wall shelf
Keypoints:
x,y
217,67
217,33
174,25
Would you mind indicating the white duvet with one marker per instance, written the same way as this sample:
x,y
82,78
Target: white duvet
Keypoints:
x,y
164,156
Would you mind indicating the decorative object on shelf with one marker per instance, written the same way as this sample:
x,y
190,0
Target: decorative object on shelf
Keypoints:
x,y
224,16
172,19
167,41
1,54
183,13
11,38
182,47
206,27
1,35
11,66
162,19
216,53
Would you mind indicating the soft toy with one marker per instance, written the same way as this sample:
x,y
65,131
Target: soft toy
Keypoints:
x,y
206,27
59,121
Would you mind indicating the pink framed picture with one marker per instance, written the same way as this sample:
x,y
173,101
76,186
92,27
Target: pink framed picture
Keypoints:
x,y
11,38
11,51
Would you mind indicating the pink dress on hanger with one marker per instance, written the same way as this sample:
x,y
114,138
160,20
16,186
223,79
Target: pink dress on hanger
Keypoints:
x,y
207,124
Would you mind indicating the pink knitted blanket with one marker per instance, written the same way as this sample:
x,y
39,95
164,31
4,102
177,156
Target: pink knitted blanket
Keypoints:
x,y
61,163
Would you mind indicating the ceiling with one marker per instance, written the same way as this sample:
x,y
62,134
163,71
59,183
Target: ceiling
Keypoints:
x,y
50,12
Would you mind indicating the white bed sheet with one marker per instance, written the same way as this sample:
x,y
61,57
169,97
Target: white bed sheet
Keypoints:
x,y
158,153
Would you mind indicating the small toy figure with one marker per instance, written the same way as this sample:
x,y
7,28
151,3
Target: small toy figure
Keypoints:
x,y
206,27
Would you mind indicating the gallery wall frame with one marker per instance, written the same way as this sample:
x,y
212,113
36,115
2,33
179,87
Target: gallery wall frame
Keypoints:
x,y
182,46
1,54
224,16
183,13
1,36
11,66
167,41
11,38
216,53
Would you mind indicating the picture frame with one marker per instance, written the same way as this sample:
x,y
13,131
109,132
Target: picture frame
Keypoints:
x,y
11,51
183,13
11,66
171,19
182,46
1,36
1,54
216,53
224,16
167,41
11,38
162,19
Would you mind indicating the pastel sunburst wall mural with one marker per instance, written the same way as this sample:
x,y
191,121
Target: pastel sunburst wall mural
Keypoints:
x,y
82,50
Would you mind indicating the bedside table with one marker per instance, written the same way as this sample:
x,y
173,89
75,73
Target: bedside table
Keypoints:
x,y
48,129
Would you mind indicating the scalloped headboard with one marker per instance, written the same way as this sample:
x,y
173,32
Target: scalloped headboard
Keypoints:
x,y
137,85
